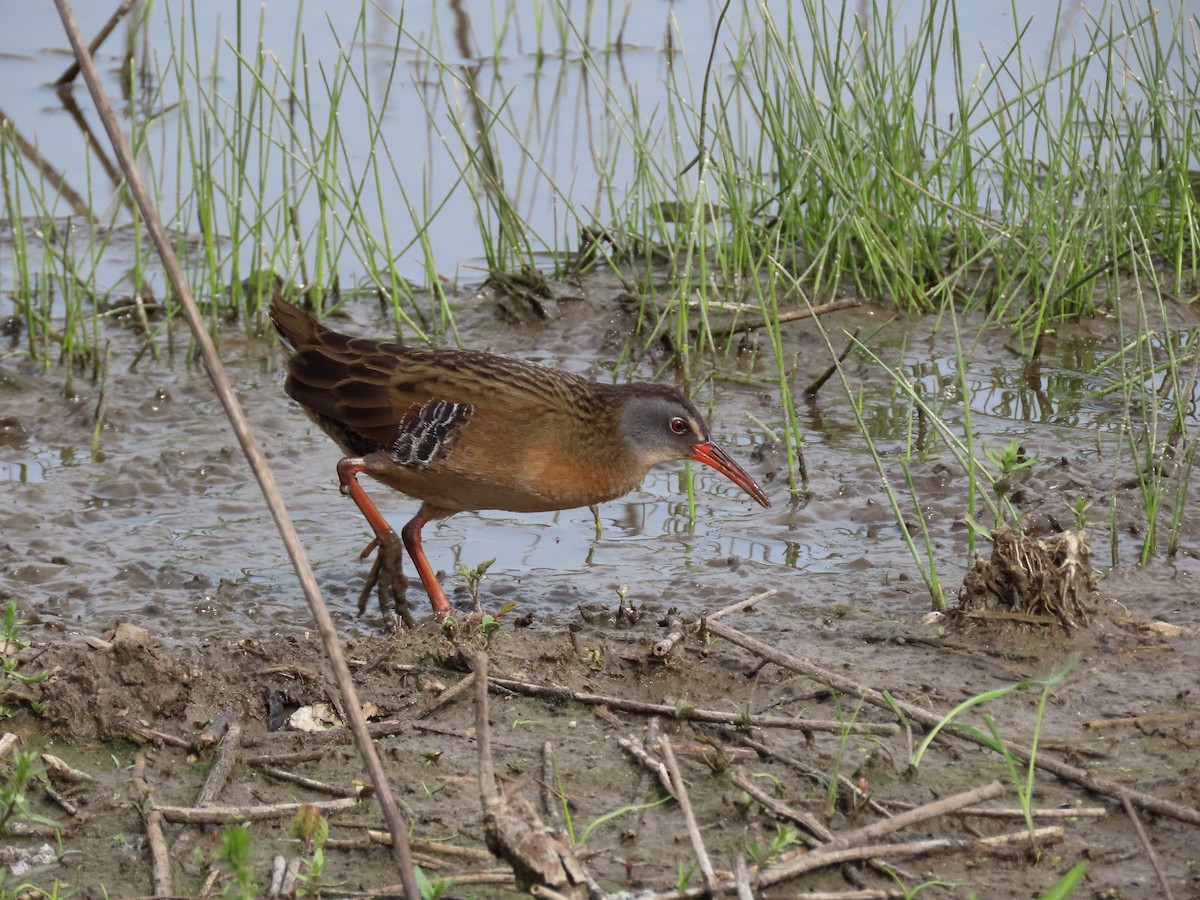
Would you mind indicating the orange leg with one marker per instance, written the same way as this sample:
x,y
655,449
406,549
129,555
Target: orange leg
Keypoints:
x,y
412,542
387,573
348,469
385,538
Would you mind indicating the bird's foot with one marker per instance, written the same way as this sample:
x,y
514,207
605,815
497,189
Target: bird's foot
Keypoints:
x,y
387,580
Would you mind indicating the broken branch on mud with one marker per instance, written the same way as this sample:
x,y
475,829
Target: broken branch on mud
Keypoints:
x,y
1015,812
739,606
1151,853
440,848
791,315
808,862
222,764
255,458
449,695
550,794
690,713
674,636
804,862
914,816
229,815
312,784
283,759
676,624
160,860
144,734
633,746
1094,783
808,822
679,789
540,856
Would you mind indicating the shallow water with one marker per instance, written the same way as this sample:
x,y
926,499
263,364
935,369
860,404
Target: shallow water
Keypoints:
x,y
153,518
560,98
162,523
162,526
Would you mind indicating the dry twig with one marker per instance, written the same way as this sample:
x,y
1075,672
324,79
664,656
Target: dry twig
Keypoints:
x,y
549,792
675,623
144,734
1143,721
689,818
284,759
8,740
808,771
667,644
740,605
792,315
696,715
1151,853
819,859
72,71
250,447
449,695
160,860
58,768
805,820
222,764
1015,812
741,879
911,817
633,746
540,857
310,783
814,386
225,815
844,685
66,805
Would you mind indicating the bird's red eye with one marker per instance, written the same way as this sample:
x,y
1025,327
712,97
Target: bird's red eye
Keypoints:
x,y
678,425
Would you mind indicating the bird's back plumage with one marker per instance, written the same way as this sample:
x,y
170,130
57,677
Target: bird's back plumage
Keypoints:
x,y
522,435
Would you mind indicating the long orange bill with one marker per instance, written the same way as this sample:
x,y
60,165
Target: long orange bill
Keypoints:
x,y
712,455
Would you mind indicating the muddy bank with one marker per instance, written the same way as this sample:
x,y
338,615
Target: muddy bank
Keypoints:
x,y
102,706
159,526
147,512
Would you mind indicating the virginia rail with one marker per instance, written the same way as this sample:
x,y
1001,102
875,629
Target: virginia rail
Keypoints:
x,y
464,429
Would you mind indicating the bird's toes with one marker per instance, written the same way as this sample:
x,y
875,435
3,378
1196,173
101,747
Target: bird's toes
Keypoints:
x,y
387,581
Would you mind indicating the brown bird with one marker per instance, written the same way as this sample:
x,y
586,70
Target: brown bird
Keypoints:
x,y
468,430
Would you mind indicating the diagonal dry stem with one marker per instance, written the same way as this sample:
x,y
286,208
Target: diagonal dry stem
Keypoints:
x,y
250,448
844,685
689,817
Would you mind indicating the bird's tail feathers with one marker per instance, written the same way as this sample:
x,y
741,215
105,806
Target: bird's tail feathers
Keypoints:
x,y
295,326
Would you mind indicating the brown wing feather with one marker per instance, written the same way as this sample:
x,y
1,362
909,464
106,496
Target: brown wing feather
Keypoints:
x,y
364,393
509,434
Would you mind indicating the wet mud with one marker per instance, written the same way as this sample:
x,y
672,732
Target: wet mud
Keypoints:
x,y
152,519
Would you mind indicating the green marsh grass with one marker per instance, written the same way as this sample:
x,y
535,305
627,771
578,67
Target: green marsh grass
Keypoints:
x,y
431,888
233,854
762,855
1065,886
23,765
793,440
906,503
579,839
994,742
1022,781
1017,192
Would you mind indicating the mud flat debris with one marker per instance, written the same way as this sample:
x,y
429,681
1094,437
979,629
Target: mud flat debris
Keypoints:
x,y
541,856
1032,580
737,797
